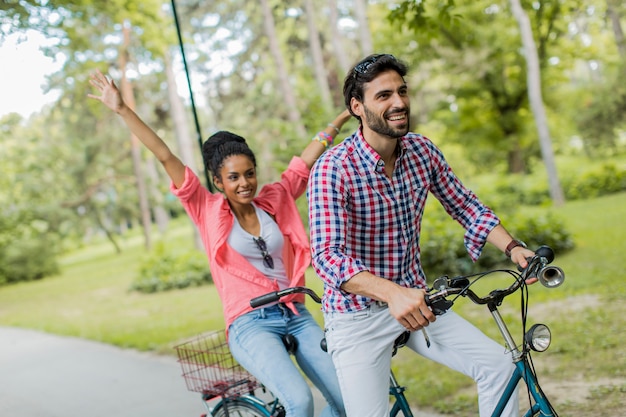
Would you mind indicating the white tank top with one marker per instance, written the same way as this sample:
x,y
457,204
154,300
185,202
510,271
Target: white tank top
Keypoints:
x,y
243,242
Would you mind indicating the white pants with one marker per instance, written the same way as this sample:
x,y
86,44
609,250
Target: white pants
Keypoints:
x,y
361,345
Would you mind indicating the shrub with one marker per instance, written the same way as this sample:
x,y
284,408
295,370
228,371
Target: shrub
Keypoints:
x,y
606,179
443,250
27,259
547,230
166,269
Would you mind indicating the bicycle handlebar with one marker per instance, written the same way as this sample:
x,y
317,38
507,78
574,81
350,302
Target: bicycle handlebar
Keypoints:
x,y
549,276
277,295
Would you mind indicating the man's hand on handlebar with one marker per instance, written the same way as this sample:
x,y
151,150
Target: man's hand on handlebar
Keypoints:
x,y
408,307
521,256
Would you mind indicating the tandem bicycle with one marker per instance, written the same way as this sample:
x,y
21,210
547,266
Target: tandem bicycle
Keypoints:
x,y
209,368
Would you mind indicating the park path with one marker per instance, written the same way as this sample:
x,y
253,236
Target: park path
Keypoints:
x,y
42,374
55,376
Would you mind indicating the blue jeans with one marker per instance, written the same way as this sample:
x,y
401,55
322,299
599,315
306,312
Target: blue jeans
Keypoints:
x,y
255,342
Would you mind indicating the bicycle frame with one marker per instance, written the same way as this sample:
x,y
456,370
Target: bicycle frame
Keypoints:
x,y
400,404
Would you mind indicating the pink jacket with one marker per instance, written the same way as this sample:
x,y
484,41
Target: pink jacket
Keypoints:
x,y
236,280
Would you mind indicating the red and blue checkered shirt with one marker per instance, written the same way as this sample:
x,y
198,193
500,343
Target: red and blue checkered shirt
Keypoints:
x,y
360,220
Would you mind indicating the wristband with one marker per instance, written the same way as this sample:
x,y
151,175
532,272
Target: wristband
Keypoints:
x,y
323,138
513,244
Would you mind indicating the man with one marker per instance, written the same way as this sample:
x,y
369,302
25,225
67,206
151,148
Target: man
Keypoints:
x,y
366,200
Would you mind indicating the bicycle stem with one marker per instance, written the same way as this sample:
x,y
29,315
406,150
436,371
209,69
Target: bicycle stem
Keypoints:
x,y
504,330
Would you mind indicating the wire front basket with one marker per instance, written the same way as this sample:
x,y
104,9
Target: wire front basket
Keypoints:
x,y
209,367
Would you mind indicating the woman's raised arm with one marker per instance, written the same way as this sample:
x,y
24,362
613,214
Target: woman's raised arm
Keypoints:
x,y
328,134
111,97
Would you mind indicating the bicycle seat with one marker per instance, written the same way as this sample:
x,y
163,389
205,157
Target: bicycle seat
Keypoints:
x,y
400,341
291,343
397,344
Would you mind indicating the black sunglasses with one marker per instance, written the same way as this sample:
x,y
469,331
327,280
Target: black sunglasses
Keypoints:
x,y
267,258
364,66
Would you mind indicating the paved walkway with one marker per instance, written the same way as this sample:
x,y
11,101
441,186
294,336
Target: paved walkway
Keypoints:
x,y
53,376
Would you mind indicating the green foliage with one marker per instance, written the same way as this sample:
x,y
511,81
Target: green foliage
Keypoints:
x,y
604,112
443,251
417,14
27,259
600,179
606,179
548,229
167,269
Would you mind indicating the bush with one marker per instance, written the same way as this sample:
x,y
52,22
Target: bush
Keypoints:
x,y
529,190
606,179
547,230
27,259
443,250
166,269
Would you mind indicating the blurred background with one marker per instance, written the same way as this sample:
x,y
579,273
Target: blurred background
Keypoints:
x,y
526,98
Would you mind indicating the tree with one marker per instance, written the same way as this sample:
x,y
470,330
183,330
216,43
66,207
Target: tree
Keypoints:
x,y
365,36
490,93
536,101
319,68
281,69
612,10
336,38
88,48
127,92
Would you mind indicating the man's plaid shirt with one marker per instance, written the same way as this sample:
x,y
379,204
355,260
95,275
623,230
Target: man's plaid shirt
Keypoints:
x,y
360,220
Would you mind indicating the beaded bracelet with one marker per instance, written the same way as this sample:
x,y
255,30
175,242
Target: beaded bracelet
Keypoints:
x,y
324,138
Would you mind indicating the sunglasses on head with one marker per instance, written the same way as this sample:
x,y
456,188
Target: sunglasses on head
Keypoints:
x,y
364,66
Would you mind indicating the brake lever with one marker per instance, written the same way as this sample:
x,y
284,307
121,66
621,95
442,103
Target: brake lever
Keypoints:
x,y
439,306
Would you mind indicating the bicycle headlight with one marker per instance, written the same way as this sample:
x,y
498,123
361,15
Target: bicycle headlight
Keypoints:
x,y
538,337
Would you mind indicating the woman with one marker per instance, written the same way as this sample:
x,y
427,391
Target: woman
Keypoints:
x,y
255,245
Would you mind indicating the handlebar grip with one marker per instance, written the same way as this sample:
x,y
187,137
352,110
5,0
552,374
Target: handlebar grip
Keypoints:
x,y
542,251
264,299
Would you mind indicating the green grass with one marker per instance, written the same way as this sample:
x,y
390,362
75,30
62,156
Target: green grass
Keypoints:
x,y
587,315
91,299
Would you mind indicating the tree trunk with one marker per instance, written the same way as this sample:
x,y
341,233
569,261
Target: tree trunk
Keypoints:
x,y
336,38
183,137
536,101
281,69
365,36
186,146
516,161
318,56
613,15
161,217
127,92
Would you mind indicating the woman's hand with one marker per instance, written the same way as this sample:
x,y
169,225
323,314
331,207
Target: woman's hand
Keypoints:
x,y
109,93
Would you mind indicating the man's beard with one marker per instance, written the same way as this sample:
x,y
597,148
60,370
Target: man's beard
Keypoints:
x,y
380,125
